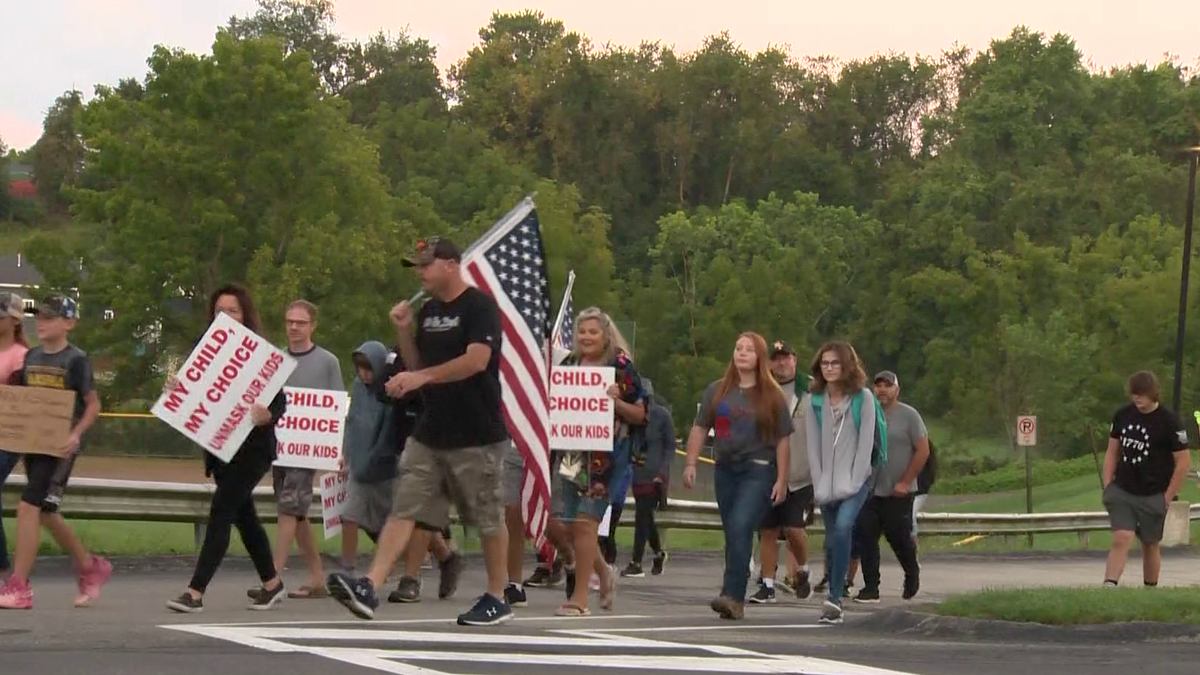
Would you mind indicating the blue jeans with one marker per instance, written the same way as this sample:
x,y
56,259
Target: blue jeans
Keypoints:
x,y
743,497
839,518
8,460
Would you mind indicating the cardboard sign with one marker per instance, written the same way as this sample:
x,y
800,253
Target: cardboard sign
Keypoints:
x,y
581,411
334,489
310,433
35,420
230,370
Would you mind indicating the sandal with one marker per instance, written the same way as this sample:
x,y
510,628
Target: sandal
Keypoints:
x,y
309,593
571,609
606,599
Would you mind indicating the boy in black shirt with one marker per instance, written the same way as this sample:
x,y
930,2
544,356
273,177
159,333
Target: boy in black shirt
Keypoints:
x,y
55,364
1144,467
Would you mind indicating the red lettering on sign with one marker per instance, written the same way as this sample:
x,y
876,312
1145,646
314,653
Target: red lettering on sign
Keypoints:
x,y
319,425
573,377
208,352
228,427
596,404
196,419
175,397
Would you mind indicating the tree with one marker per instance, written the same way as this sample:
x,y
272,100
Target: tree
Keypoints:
x,y
58,156
5,197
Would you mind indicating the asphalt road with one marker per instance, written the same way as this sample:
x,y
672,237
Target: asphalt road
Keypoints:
x,y
661,625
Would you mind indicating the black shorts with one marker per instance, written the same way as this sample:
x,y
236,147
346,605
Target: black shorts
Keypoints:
x,y
795,512
46,478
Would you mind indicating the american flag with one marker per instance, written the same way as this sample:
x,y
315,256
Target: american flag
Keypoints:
x,y
566,330
509,263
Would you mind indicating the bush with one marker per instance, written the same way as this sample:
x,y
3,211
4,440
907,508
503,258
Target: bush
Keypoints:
x,y
1012,477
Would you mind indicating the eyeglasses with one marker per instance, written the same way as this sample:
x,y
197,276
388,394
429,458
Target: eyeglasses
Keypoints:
x,y
830,364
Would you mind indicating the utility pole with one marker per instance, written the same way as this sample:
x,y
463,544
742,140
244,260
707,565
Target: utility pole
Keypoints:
x,y
1189,218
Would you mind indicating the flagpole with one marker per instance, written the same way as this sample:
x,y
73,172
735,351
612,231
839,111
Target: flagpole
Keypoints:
x,y
497,230
562,308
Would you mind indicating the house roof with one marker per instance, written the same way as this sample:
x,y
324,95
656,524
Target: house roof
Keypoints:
x,y
20,171
17,272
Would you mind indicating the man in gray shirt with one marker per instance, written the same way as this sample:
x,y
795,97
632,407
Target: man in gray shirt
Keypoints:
x,y
316,368
889,511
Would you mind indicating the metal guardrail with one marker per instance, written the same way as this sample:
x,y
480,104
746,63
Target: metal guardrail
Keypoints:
x,y
99,499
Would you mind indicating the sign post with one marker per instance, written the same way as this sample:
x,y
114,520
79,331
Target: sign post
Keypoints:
x,y
1027,438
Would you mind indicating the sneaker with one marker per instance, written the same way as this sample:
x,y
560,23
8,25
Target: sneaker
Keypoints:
x,y
450,572
540,578
488,611
556,573
407,591
186,604
356,595
763,596
92,580
912,585
633,570
728,608
831,614
569,579
822,585
869,596
16,595
659,564
268,599
803,588
515,596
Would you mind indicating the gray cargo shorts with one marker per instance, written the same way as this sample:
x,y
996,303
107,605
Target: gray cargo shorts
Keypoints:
x,y
293,490
511,474
1142,515
431,479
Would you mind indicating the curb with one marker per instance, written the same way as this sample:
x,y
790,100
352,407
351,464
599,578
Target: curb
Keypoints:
x,y
907,622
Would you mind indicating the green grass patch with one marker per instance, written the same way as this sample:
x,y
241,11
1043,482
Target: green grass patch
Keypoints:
x,y
956,445
1076,494
1012,476
1078,606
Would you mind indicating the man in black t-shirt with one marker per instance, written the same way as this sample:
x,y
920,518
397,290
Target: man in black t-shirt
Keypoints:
x,y
454,452
1144,467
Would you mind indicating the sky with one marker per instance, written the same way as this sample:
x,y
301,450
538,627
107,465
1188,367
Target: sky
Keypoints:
x,y
50,46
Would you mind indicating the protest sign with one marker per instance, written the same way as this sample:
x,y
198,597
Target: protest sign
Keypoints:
x,y
310,433
35,420
581,412
334,488
230,370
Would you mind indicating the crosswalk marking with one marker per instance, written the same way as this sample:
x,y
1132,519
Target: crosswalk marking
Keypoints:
x,y
422,651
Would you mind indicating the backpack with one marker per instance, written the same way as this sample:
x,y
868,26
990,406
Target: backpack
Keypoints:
x,y
879,449
928,475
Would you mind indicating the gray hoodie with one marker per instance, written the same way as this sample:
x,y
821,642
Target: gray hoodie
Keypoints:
x,y
838,454
368,446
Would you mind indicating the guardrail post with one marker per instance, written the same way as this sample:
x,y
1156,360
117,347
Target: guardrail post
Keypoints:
x,y
1177,530
1083,539
200,530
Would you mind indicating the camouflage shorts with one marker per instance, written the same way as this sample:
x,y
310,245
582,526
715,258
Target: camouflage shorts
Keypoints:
x,y
293,490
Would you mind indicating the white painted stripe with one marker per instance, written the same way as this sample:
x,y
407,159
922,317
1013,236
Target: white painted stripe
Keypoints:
x,y
689,629
416,622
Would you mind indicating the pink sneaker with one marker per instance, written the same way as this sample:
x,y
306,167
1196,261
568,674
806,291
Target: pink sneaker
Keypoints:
x,y
16,595
92,580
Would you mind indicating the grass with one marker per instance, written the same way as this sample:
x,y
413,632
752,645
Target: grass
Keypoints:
x,y
1077,606
1075,494
994,447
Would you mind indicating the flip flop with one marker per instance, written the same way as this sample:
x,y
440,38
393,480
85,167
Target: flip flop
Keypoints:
x,y
309,593
570,609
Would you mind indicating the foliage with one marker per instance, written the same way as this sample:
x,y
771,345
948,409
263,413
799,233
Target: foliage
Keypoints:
x,y
1076,606
1010,475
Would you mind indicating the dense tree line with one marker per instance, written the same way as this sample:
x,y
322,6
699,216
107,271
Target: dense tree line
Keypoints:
x,y
1002,228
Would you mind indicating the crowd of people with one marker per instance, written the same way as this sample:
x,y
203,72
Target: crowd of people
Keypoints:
x,y
426,431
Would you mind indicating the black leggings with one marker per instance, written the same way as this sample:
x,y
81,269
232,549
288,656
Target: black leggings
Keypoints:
x,y
608,544
645,527
233,506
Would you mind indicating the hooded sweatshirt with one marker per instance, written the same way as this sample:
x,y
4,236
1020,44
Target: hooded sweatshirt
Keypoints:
x,y
799,473
660,447
368,444
839,454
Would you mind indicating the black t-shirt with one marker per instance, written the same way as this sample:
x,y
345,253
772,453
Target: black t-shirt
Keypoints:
x,y
407,408
1147,443
466,413
69,369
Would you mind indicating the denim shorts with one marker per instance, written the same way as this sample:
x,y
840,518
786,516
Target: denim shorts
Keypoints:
x,y
575,503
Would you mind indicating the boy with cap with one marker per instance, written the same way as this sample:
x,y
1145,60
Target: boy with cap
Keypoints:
x,y
55,364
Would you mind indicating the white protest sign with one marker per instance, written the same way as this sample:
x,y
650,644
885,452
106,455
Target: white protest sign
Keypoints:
x,y
606,523
334,488
581,412
310,432
230,370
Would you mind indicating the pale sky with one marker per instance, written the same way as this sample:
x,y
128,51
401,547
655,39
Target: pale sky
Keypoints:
x,y
49,46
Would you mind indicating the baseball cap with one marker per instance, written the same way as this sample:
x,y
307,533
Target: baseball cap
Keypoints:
x,y
57,305
434,248
889,377
12,305
781,347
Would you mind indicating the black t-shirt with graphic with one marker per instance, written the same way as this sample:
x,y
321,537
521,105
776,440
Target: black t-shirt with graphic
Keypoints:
x,y
69,369
1147,443
466,413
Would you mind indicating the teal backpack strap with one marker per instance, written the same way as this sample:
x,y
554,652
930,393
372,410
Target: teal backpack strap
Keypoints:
x,y
856,409
818,402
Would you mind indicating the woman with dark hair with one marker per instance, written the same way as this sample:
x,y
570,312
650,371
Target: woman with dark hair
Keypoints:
x,y
12,357
233,500
840,425
752,426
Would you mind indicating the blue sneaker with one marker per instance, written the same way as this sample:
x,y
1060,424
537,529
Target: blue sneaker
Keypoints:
x,y
488,611
356,595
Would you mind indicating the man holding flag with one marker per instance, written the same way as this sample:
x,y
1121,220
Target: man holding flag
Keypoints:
x,y
475,360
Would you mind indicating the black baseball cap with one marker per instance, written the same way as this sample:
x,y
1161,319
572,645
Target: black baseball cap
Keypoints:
x,y
425,251
889,377
57,305
781,347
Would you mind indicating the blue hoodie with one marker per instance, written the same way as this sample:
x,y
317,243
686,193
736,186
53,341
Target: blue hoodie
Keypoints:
x,y
368,445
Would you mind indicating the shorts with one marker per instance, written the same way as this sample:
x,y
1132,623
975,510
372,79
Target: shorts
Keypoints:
x,y
368,505
293,490
512,473
796,511
574,503
1143,515
46,479
430,480
918,506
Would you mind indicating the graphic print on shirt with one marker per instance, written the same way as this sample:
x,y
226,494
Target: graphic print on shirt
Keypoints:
x,y
1135,443
733,418
49,377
